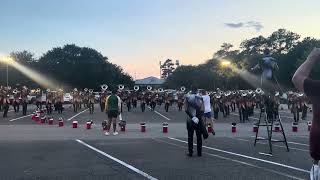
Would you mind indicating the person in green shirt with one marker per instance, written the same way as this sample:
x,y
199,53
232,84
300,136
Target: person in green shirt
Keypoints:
x,y
112,108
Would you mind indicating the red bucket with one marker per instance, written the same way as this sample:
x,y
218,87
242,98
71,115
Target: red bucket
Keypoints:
x,y
88,126
143,127
50,121
60,123
75,124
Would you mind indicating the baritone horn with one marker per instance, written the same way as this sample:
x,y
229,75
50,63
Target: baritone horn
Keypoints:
x,y
104,87
136,88
121,87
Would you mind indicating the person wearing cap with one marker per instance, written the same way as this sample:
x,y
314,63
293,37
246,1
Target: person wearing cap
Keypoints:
x,y
194,108
311,88
112,108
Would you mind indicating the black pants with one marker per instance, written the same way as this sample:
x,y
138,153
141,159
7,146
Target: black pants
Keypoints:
x,y
102,104
16,106
191,127
296,116
39,105
24,108
134,104
166,107
129,106
59,107
143,107
91,107
6,109
153,105
49,108
180,104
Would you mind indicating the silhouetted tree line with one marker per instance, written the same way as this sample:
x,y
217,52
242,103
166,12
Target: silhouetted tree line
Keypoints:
x,y
71,66
286,46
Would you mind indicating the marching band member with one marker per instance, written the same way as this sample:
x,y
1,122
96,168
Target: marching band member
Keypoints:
x,y
76,100
167,102
180,101
112,108
153,102
6,103
16,100
102,99
24,100
59,101
38,98
91,100
143,102
49,101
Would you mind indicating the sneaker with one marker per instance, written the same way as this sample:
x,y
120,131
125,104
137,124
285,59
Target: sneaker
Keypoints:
x,y
115,133
107,133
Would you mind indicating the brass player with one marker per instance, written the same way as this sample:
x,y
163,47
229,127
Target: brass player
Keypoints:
x,y
6,101
49,101
76,100
59,101
91,100
16,100
24,100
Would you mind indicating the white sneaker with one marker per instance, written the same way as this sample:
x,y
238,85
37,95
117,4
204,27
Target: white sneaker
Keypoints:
x,y
115,133
107,133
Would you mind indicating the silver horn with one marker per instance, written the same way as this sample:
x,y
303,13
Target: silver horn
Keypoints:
x,y
149,88
183,88
136,88
104,87
121,87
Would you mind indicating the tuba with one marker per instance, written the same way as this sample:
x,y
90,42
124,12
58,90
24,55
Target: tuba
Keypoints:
x,y
90,91
149,88
85,89
183,88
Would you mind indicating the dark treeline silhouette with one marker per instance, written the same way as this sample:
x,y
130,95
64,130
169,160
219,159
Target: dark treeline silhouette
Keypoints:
x,y
71,66
287,47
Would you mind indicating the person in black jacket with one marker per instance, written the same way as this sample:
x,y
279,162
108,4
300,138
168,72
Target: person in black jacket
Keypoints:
x,y
194,107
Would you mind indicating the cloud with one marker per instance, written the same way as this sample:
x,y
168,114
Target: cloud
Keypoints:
x,y
250,24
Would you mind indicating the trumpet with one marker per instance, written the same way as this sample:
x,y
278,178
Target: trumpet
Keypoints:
x,y
104,87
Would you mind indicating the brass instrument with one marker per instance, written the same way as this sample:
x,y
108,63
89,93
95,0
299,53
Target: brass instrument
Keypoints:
x,y
149,88
136,88
121,87
183,88
104,87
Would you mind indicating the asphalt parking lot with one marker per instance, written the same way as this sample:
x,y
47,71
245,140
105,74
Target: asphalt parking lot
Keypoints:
x,y
31,150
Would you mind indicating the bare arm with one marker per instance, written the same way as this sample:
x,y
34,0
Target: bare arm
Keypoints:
x,y
304,70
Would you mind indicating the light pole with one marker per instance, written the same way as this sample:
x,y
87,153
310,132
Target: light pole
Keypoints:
x,y
7,74
7,60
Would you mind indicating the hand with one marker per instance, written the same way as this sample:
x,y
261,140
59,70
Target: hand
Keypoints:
x,y
195,120
315,54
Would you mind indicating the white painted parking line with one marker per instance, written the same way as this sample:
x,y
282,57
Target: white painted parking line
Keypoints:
x,y
77,114
161,115
20,118
117,160
289,142
236,161
304,150
248,157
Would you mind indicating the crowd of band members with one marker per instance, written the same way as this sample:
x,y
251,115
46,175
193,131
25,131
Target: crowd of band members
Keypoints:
x,y
240,103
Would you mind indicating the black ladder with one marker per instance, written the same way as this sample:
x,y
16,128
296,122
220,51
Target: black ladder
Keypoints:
x,y
270,125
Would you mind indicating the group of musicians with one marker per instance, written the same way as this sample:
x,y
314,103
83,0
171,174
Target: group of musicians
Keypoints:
x,y
224,102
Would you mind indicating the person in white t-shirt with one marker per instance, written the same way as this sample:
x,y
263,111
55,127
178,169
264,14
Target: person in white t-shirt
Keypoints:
x,y
207,110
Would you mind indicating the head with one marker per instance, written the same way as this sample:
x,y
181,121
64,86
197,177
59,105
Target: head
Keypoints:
x,y
194,89
266,52
203,92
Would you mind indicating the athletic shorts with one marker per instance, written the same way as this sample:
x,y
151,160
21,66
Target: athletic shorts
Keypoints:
x,y
207,115
113,114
